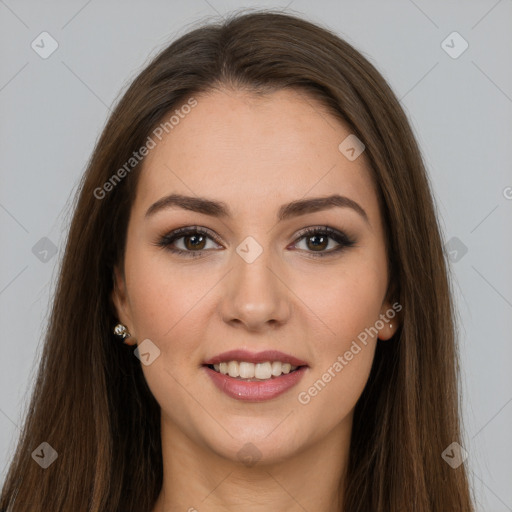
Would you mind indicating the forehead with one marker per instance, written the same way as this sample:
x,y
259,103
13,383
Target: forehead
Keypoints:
x,y
246,150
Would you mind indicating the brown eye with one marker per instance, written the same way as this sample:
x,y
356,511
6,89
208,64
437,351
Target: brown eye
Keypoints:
x,y
189,241
317,240
194,242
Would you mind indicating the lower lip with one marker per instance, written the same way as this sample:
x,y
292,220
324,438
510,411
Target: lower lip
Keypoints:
x,y
255,391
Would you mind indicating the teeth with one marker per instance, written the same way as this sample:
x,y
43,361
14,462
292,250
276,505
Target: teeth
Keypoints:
x,y
233,369
261,371
246,370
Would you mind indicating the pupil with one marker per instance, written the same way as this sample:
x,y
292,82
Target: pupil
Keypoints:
x,y
193,245
321,245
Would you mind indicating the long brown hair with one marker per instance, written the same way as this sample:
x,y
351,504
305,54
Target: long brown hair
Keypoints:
x,y
91,402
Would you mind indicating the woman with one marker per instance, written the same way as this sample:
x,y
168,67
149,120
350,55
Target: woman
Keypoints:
x,y
256,225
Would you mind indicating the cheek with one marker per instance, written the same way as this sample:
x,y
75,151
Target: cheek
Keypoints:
x,y
164,302
170,305
160,295
349,304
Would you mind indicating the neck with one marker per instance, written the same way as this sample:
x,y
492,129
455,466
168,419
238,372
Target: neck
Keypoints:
x,y
196,479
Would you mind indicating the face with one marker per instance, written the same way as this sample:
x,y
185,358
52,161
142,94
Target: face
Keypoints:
x,y
251,279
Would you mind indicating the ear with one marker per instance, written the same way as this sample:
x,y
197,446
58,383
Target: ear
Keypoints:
x,y
389,320
121,304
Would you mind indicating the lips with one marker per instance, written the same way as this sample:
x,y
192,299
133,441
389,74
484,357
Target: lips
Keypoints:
x,y
255,357
252,391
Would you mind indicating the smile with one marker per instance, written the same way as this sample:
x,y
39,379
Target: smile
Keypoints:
x,y
253,389
243,370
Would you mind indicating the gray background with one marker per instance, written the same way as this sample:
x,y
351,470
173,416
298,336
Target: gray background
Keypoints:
x,y
52,111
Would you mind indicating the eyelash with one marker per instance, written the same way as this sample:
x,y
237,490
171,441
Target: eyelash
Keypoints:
x,y
338,236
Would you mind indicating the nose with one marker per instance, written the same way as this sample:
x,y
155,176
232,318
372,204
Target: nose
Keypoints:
x,y
256,296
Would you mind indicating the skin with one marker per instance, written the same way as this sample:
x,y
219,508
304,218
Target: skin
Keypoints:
x,y
254,154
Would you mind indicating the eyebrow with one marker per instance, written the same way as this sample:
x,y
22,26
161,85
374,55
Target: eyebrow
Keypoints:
x,y
287,211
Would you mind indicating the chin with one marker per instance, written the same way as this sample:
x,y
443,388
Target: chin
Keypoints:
x,y
255,444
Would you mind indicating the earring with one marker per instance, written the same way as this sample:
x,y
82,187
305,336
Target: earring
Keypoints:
x,y
390,325
121,331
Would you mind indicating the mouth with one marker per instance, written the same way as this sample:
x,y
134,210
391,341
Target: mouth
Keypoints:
x,y
243,375
245,365
251,372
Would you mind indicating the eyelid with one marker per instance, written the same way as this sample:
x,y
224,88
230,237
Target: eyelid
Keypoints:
x,y
175,234
332,232
343,240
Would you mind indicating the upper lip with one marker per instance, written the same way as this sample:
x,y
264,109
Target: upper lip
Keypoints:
x,y
255,357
